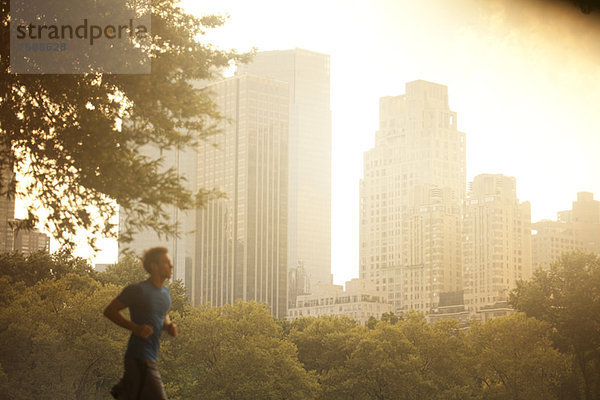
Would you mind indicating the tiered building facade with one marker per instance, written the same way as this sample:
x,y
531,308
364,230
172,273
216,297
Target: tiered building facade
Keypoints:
x,y
410,198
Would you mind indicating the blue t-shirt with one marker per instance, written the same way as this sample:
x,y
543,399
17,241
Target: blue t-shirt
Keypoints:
x,y
148,305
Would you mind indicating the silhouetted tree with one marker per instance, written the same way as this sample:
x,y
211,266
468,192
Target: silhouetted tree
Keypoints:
x,y
75,139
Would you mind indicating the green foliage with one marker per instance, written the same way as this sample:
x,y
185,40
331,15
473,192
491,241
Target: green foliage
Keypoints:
x,y
324,343
3,381
390,317
40,265
128,270
234,352
409,359
514,359
442,357
179,296
56,344
9,290
75,139
382,365
567,297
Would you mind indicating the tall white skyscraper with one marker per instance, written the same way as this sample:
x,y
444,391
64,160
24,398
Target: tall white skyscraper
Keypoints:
x,y
309,223
241,238
410,198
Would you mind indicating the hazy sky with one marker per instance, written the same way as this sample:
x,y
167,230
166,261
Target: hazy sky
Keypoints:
x,y
524,77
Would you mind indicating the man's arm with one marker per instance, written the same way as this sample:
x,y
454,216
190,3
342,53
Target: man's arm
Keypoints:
x,y
113,313
169,326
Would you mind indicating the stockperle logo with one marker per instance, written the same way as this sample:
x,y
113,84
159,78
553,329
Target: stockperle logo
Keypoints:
x,y
80,36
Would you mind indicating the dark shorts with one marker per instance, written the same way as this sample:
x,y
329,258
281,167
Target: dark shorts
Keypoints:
x,y
141,380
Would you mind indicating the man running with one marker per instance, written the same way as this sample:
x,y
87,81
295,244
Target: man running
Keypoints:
x,y
148,303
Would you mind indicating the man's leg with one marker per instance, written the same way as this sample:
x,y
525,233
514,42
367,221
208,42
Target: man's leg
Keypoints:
x,y
152,387
129,386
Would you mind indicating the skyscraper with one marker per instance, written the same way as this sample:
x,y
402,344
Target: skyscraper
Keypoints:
x,y
309,216
585,218
11,237
410,197
431,245
30,241
497,241
298,284
575,229
241,238
7,213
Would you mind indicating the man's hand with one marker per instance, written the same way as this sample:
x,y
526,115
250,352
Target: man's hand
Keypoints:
x,y
143,331
172,329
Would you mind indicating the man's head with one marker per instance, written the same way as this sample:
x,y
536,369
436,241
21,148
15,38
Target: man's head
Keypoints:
x,y
156,261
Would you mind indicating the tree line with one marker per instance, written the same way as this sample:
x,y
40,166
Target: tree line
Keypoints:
x,y
56,344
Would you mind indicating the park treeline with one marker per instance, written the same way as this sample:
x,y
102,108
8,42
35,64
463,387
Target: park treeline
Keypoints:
x,y
57,345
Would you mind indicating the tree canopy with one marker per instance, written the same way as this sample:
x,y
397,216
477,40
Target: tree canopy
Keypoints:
x,y
567,297
56,344
74,140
